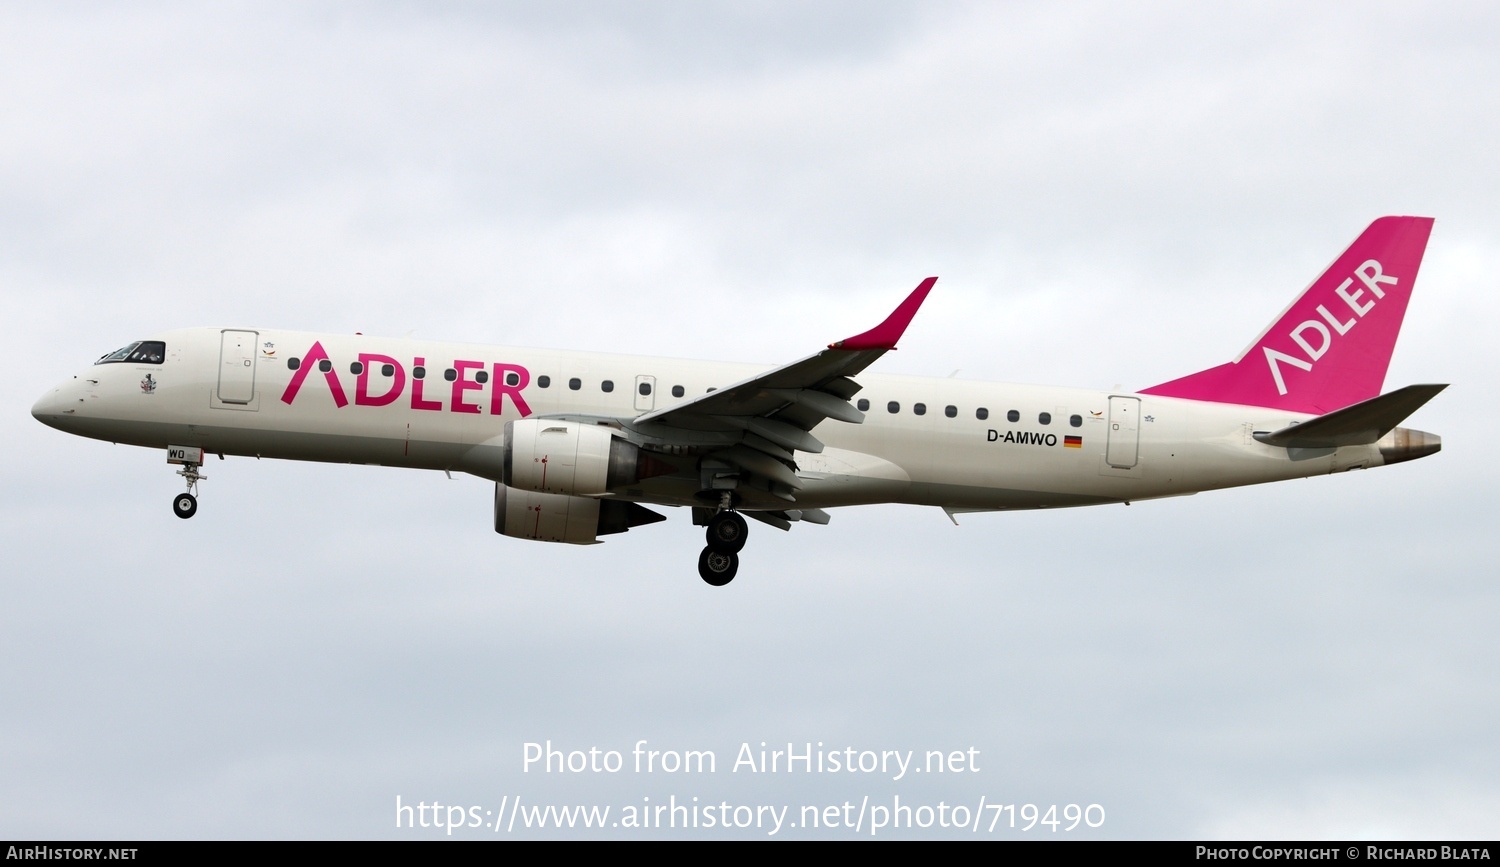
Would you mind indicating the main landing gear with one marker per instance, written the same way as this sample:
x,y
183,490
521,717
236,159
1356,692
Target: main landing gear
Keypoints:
x,y
721,559
186,505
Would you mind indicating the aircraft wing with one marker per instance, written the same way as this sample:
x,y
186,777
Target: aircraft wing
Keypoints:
x,y
764,419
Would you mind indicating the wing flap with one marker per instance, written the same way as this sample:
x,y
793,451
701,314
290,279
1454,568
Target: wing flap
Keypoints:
x,y
788,436
820,402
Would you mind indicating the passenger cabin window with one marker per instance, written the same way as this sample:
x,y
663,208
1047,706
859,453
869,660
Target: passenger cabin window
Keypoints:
x,y
1075,420
325,365
140,352
1045,418
481,377
292,363
387,370
511,378
863,405
919,408
356,368
419,372
893,407
950,411
607,386
543,381
644,388
1013,416
678,391
450,374
981,413
575,383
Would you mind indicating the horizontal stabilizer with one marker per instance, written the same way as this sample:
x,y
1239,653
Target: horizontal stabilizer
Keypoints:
x,y
1360,424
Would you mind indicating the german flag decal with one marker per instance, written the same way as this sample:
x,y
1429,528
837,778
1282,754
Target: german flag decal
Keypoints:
x,y
1072,442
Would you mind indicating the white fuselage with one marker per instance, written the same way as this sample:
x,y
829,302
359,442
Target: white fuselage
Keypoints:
x,y
1000,446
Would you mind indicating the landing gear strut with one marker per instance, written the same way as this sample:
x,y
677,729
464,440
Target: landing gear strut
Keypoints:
x,y
726,536
186,505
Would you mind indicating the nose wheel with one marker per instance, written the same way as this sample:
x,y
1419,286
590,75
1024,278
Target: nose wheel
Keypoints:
x,y
186,505
726,536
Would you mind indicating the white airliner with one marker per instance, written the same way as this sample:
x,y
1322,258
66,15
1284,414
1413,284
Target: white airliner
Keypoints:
x,y
577,442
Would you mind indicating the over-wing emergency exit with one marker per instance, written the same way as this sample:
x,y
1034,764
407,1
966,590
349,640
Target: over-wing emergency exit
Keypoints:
x,y
580,444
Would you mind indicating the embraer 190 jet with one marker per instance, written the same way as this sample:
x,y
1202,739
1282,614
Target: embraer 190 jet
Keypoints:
x,y
579,444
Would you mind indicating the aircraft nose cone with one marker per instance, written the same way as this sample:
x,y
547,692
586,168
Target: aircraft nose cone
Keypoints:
x,y
50,409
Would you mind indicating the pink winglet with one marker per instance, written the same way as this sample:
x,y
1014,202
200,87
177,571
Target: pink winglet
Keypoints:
x,y
1331,348
885,335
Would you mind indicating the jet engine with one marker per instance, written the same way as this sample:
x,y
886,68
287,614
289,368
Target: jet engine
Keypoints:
x,y
561,518
566,457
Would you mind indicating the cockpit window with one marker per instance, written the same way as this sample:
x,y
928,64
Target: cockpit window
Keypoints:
x,y
140,352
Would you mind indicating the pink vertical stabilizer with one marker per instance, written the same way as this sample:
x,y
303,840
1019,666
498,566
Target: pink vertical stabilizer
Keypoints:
x,y
1331,348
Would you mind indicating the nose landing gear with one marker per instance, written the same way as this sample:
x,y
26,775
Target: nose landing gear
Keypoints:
x,y
726,536
186,505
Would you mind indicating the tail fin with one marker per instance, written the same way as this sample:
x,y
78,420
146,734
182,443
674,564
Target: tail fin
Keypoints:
x,y
1331,348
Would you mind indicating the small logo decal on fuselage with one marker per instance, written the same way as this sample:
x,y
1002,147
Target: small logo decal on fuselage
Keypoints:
x,y
148,385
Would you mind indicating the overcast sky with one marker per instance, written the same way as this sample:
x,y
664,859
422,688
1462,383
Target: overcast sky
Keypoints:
x,y
1111,194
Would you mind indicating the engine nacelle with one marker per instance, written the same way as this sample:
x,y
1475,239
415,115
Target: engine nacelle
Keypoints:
x,y
561,518
565,457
